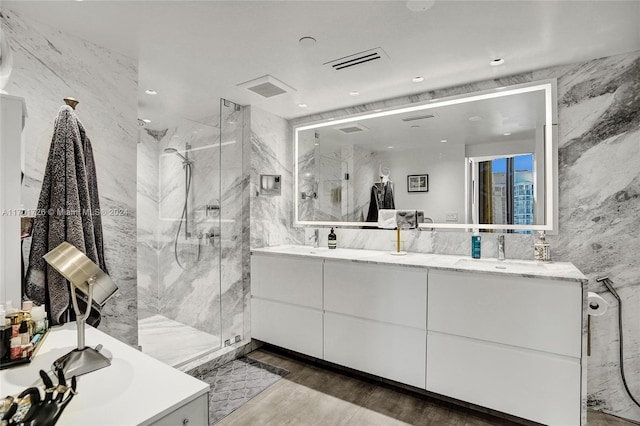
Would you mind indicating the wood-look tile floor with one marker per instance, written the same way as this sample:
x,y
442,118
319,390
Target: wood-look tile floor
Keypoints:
x,y
313,395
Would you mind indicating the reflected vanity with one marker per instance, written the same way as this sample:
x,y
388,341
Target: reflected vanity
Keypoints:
x,y
491,158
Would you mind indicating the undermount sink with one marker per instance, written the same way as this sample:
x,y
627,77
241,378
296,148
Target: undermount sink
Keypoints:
x,y
499,264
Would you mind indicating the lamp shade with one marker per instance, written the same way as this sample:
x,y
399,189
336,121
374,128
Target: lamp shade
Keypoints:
x,y
76,267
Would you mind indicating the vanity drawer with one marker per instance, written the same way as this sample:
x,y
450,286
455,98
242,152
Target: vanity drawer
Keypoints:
x,y
287,279
194,413
292,327
386,293
386,350
533,385
539,314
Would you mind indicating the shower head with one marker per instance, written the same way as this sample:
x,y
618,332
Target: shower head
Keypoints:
x,y
175,151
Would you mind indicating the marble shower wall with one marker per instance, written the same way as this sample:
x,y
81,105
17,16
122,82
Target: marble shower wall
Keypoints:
x,y
147,202
46,69
599,206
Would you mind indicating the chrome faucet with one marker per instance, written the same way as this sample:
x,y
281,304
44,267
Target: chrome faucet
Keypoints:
x,y
500,247
316,238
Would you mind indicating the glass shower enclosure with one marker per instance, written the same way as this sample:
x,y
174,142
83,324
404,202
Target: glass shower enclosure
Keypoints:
x,y
189,256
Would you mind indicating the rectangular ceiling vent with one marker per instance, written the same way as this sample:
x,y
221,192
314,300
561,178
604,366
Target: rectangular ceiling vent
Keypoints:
x,y
418,117
357,59
267,86
352,128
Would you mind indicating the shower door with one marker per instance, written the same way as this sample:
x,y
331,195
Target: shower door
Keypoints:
x,y
179,307
234,224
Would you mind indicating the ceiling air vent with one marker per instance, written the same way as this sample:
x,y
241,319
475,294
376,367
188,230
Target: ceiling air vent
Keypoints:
x,y
352,128
357,59
267,86
418,117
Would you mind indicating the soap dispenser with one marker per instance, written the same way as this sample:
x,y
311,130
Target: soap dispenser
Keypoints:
x,y
333,239
541,248
475,244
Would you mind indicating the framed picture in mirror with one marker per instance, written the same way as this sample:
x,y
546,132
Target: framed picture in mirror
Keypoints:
x,y
418,183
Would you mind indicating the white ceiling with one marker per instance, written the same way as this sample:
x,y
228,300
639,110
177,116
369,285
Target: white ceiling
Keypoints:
x,y
195,52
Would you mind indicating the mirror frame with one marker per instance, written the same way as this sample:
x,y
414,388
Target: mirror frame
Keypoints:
x,y
549,87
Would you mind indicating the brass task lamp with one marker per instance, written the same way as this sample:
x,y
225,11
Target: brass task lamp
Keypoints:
x,y
87,277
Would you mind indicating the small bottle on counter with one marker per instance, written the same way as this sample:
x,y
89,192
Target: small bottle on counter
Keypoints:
x,y
541,249
25,338
39,316
16,348
15,320
5,343
476,246
333,239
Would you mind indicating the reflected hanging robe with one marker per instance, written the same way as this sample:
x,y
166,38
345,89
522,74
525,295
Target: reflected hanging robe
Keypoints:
x,y
381,198
68,210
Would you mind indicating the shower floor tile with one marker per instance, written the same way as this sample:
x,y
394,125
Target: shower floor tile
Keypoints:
x,y
172,342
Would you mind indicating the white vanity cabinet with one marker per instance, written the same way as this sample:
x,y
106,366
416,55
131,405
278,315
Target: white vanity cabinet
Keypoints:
x,y
510,339
375,319
286,303
508,343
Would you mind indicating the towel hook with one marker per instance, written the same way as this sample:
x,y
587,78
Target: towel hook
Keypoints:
x,y
72,102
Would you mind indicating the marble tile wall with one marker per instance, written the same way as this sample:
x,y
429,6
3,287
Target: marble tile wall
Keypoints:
x,y
599,211
47,69
268,150
147,229
271,153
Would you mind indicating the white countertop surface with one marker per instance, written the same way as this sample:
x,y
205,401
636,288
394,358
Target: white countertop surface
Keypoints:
x,y
134,390
525,268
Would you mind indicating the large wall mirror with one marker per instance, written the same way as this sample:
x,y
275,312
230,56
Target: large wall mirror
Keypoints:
x,y
484,160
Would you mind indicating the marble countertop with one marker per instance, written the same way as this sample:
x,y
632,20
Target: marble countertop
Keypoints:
x,y
524,268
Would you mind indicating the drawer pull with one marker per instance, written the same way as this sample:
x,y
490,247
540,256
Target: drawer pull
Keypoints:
x,y
185,422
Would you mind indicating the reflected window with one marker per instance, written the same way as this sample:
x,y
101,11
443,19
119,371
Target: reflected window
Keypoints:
x,y
506,190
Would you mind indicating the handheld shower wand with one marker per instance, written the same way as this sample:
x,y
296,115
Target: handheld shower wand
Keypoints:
x,y
187,165
607,282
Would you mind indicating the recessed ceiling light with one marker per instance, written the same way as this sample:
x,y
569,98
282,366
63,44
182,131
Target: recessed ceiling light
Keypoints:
x,y
354,93
307,41
418,79
419,5
443,141
303,105
150,92
496,62
507,134
146,120
316,144
475,118
389,147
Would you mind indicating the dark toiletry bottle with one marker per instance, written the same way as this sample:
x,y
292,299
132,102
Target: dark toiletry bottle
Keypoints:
x,y
333,239
475,245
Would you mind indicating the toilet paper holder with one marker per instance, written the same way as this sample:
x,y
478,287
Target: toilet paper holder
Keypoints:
x,y
596,306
